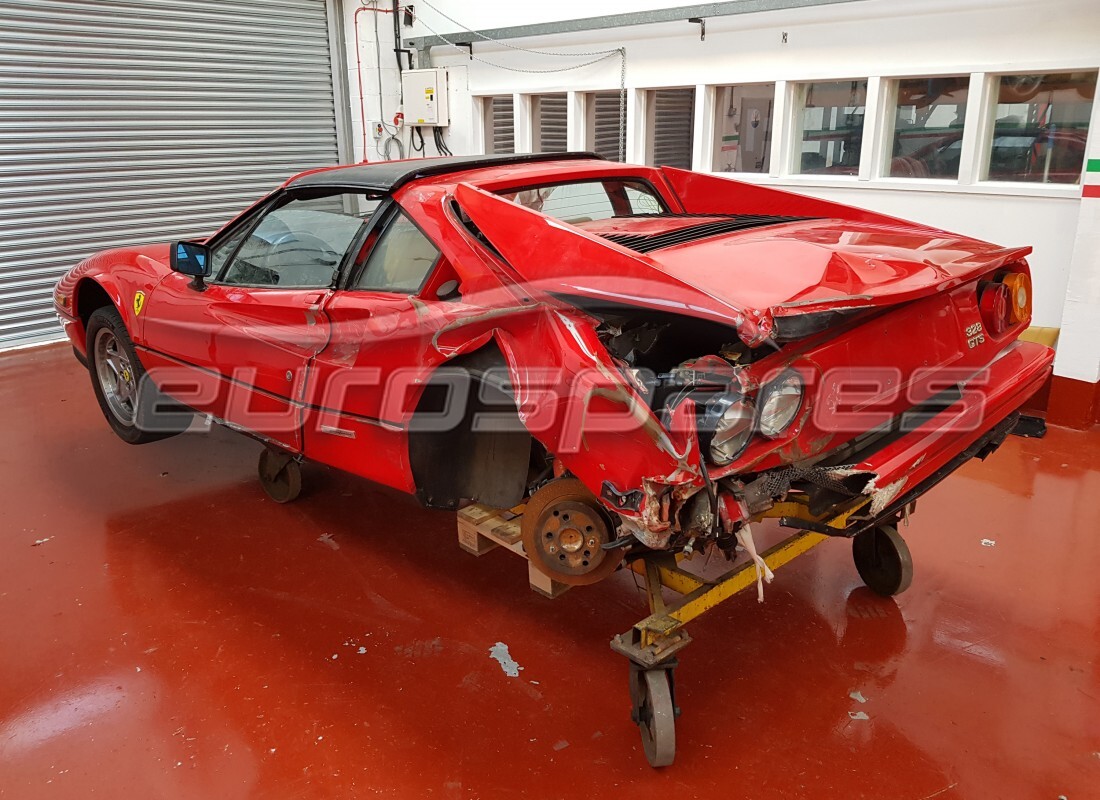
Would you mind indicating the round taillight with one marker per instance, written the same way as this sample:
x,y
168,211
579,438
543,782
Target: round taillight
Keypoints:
x,y
995,305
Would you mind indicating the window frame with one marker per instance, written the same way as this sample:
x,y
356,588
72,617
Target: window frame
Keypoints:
x,y
648,111
536,104
249,220
775,122
587,121
870,132
500,191
488,134
984,147
886,127
977,125
380,225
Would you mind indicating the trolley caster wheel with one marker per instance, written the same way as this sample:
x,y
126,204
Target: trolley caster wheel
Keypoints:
x,y
883,560
654,712
280,475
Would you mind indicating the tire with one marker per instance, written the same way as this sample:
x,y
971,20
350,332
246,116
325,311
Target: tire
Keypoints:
x,y
136,411
883,560
280,475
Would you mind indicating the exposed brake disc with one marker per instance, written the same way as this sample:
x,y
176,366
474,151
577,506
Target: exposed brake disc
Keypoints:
x,y
564,530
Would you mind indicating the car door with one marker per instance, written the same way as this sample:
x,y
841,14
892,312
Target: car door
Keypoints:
x,y
240,348
381,325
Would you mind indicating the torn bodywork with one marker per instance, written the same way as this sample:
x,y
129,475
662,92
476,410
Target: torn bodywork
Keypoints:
x,y
743,395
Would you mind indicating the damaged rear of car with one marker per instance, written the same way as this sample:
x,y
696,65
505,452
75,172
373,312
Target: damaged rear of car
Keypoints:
x,y
766,355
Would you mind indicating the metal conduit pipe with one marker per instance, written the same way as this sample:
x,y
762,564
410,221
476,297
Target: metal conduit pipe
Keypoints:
x,y
682,13
359,69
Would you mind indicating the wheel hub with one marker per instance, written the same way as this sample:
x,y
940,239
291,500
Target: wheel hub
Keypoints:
x,y
568,536
571,540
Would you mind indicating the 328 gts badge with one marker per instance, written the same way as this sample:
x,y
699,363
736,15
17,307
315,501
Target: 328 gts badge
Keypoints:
x,y
974,335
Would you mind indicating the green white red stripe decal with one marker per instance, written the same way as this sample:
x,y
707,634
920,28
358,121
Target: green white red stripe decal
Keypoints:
x,y
1091,187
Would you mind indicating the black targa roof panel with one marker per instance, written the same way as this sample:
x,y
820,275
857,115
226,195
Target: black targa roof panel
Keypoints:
x,y
387,176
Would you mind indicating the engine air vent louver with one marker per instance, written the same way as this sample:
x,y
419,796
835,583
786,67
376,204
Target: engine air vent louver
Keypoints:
x,y
716,226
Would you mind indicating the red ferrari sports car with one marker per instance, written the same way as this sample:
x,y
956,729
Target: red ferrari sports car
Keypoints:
x,y
650,358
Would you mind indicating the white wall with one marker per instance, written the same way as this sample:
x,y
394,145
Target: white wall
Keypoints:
x,y
363,75
876,39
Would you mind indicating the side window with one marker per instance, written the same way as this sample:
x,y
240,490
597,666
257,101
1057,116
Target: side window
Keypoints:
x,y
400,260
220,254
301,242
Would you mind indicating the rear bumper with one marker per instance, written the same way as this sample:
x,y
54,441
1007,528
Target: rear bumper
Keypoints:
x,y
877,483
981,448
987,400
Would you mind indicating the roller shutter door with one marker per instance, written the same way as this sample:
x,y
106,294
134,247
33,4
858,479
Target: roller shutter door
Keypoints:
x,y
132,121
673,120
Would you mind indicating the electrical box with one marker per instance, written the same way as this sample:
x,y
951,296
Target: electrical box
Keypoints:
x,y
425,92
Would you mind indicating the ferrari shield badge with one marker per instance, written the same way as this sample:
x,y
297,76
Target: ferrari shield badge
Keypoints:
x,y
139,303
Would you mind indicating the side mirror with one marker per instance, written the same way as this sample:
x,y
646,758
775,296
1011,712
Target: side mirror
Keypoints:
x,y
448,290
192,258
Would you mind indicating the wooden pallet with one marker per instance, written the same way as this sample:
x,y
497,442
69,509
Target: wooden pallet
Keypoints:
x,y
482,528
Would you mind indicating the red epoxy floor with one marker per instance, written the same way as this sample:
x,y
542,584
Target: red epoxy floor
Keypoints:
x,y
166,631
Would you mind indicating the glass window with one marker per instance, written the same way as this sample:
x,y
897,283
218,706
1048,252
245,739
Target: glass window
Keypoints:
x,y
928,127
587,201
604,110
549,110
1040,126
743,130
220,254
830,123
301,242
400,260
671,117
642,200
500,124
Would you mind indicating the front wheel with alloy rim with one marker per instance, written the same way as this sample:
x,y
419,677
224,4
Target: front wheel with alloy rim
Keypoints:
x,y
133,407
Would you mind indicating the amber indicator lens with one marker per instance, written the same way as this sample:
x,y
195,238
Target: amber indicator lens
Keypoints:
x,y
1019,286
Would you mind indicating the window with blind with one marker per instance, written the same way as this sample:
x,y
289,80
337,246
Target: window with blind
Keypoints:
x,y
602,124
548,112
671,117
500,124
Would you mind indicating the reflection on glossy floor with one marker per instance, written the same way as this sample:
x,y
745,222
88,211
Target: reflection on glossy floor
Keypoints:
x,y
166,631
